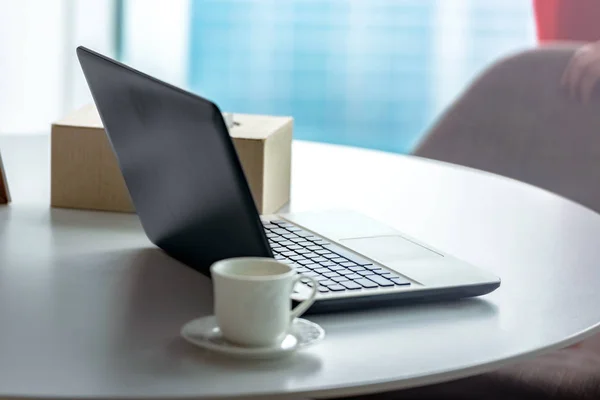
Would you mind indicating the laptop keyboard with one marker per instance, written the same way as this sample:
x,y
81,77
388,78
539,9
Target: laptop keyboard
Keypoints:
x,y
336,269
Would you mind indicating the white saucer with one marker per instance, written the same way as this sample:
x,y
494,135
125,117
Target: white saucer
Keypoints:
x,y
205,333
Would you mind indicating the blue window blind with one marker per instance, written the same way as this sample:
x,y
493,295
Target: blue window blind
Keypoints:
x,y
373,73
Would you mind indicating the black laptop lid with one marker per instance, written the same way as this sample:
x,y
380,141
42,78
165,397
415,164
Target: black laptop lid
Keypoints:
x,y
179,164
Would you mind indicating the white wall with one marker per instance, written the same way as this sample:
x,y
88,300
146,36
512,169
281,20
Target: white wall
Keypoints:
x,y
39,77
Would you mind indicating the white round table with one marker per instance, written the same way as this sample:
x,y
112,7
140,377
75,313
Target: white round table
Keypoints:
x,y
89,309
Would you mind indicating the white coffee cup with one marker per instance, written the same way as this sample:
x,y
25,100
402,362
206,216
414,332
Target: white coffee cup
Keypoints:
x,y
252,297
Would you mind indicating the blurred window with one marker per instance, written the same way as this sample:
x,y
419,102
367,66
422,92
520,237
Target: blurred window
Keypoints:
x,y
370,73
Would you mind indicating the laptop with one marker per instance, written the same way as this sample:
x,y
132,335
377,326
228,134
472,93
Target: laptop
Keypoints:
x,y
190,193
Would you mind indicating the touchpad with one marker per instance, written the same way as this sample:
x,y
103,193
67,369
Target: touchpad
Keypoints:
x,y
389,248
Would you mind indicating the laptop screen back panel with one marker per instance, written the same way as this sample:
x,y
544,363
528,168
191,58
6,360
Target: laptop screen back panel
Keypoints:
x,y
179,165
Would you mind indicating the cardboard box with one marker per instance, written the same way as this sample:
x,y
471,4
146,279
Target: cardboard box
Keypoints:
x,y
85,173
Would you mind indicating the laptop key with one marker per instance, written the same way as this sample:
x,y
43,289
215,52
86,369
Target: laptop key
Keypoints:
x,y
311,237
323,289
319,259
296,239
306,244
323,252
312,274
277,249
305,262
355,269
304,233
381,281
388,275
288,253
286,243
349,264
327,282
335,267
365,273
321,270
345,272
270,226
312,255
297,258
330,274
400,281
339,260
312,247
353,276
294,247
350,285
279,231
302,251
302,270
336,288
383,272
331,255
339,278
366,283
330,264
312,266
279,257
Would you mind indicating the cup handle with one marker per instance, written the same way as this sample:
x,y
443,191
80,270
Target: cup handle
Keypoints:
x,y
303,306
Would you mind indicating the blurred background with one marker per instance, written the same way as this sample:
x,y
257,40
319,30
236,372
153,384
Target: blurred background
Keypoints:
x,y
372,74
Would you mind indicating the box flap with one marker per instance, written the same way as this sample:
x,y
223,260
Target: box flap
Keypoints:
x,y
86,116
258,127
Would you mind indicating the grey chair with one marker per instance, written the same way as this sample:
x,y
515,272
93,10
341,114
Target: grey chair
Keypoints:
x,y
516,121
